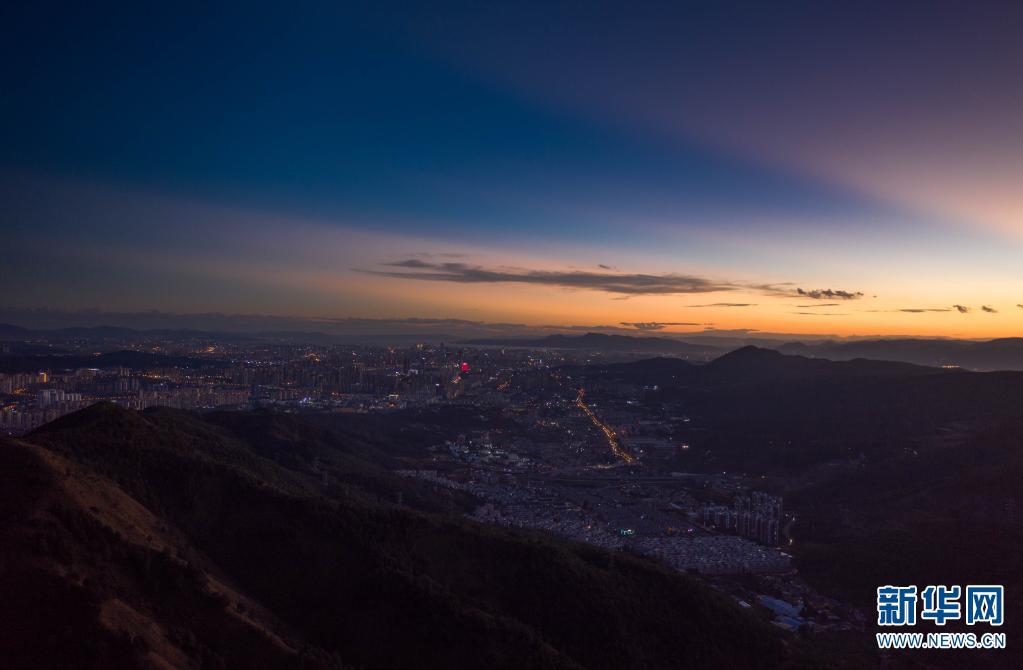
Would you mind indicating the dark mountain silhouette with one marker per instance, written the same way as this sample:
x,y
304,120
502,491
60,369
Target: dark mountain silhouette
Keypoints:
x,y
660,366
754,364
10,331
948,511
1000,354
758,409
255,540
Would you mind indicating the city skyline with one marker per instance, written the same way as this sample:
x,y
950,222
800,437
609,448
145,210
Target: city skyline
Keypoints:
x,y
807,170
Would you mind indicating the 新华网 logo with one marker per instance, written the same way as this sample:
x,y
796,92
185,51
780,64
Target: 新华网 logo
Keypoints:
x,y
975,603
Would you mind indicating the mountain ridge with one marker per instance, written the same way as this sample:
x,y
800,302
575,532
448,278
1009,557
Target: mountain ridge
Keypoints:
x,y
340,576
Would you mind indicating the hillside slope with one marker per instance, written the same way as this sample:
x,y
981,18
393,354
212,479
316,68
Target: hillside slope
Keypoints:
x,y
318,574
92,579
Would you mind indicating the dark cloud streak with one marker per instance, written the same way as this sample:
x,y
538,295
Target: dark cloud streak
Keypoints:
x,y
728,304
829,294
623,284
820,313
610,282
657,325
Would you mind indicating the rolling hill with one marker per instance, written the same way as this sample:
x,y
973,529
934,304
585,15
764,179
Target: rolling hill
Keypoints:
x,y
165,539
999,354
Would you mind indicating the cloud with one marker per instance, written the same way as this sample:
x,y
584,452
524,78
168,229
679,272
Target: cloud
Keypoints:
x,y
609,282
1020,306
989,310
728,304
730,331
820,314
823,304
432,254
413,263
962,309
780,289
657,325
624,284
827,293
621,329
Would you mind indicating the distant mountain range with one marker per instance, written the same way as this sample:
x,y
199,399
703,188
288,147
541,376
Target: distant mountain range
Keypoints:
x,y
603,342
1000,354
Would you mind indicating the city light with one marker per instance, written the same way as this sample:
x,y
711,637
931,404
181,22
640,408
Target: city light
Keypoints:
x,y
612,438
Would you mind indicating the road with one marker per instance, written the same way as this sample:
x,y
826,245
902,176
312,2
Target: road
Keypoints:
x,y
612,438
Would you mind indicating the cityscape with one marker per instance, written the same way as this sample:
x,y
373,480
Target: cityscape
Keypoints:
x,y
511,336
585,459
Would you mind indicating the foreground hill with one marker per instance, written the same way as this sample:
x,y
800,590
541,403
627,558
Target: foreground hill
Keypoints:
x,y
166,540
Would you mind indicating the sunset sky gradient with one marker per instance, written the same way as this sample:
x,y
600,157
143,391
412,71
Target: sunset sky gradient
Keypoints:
x,y
839,168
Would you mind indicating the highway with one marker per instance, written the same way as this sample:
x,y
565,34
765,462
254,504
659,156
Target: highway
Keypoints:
x,y
612,438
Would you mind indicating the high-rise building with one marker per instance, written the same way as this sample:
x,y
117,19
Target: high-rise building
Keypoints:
x,y
759,516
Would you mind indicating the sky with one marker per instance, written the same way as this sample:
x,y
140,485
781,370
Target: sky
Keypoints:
x,y
791,167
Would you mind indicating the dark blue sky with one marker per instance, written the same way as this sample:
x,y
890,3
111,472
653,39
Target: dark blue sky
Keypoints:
x,y
326,109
